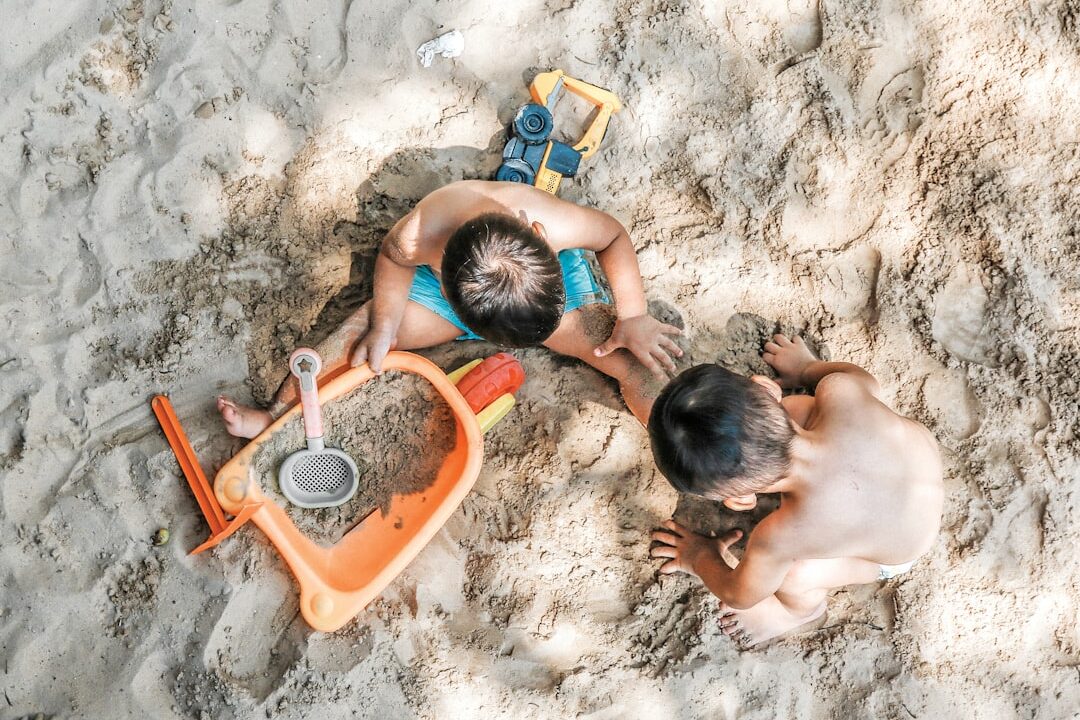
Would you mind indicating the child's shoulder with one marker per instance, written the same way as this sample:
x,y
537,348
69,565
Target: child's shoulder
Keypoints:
x,y
486,188
835,382
510,194
844,397
465,199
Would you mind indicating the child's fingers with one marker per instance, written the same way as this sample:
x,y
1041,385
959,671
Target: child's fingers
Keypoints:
x,y
782,340
669,345
768,357
672,525
605,348
670,329
375,360
359,356
653,366
772,347
664,359
664,537
664,551
671,566
729,538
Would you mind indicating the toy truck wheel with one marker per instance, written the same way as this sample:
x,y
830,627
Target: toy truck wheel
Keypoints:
x,y
515,170
533,123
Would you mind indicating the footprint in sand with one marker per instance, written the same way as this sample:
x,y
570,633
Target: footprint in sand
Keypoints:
x,y
259,635
961,318
847,281
13,419
665,627
323,38
951,401
744,336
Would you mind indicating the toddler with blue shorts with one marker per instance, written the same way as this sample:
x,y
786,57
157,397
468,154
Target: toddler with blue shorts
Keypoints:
x,y
506,263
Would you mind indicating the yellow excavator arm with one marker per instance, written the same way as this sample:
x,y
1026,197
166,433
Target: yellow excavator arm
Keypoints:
x,y
546,89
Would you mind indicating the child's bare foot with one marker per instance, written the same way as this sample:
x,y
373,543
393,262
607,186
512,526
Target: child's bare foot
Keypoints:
x,y
763,622
242,421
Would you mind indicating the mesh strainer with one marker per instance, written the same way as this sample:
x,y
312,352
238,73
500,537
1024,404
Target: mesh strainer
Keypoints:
x,y
319,476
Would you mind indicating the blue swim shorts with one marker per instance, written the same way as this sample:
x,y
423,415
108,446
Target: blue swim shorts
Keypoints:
x,y
581,289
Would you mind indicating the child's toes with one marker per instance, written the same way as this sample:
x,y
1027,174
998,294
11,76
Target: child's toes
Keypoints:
x,y
230,414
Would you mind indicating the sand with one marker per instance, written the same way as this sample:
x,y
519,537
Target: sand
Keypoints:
x,y
191,189
397,429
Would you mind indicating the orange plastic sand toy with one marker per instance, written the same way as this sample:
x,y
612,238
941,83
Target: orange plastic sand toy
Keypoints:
x,y
200,488
338,582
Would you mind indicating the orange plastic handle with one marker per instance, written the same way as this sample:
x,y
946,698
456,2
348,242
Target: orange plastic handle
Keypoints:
x,y
497,375
189,464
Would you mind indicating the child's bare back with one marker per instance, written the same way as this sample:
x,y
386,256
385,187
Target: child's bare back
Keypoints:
x,y
875,479
860,486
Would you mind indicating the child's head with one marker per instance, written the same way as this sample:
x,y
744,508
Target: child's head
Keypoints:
x,y
503,280
720,435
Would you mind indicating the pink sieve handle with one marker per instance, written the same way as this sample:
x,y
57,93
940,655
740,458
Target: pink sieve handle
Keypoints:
x,y
305,364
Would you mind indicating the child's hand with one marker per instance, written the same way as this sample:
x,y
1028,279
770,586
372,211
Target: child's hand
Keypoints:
x,y
647,338
789,358
372,349
687,550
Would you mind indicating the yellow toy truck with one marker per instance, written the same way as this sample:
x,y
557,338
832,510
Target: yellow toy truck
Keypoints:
x,y
530,157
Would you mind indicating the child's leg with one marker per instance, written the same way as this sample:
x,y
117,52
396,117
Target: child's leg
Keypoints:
x,y
578,335
420,328
800,599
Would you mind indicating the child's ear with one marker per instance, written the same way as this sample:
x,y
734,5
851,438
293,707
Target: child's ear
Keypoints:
x,y
741,503
769,384
539,229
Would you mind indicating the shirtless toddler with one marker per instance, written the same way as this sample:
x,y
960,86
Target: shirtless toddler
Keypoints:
x,y
860,486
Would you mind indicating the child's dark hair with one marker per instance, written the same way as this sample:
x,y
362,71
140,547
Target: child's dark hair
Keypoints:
x,y
718,434
503,280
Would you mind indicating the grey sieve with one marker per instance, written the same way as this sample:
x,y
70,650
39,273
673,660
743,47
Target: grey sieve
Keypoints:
x,y
319,476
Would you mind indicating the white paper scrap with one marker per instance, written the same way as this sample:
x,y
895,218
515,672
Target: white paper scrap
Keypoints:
x,y
449,45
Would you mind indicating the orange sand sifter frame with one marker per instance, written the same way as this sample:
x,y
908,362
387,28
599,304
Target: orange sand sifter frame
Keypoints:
x,y
337,582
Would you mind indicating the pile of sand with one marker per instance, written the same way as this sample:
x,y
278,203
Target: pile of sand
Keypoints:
x,y
192,189
397,429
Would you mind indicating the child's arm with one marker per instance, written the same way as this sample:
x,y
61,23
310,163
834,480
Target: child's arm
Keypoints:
x,y
572,226
395,267
739,584
636,330
797,366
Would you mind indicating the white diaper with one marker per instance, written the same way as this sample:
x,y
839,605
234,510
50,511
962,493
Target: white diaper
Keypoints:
x,y
890,571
